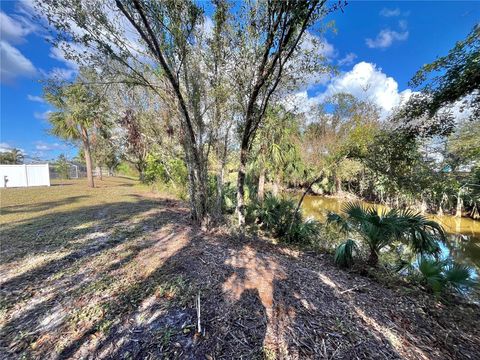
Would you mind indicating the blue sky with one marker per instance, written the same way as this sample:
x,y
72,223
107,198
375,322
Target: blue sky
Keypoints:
x,y
378,47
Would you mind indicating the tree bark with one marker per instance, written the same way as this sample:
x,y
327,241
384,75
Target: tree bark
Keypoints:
x,y
459,204
276,186
241,186
261,185
373,258
219,192
88,157
338,185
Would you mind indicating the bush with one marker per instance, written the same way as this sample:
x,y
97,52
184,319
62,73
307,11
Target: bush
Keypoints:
x,y
172,171
126,169
344,253
170,175
277,216
442,275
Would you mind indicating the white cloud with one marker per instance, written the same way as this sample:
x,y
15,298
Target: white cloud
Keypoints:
x,y
365,81
41,115
43,146
311,42
385,38
35,98
386,12
61,73
14,63
390,12
347,60
13,31
4,147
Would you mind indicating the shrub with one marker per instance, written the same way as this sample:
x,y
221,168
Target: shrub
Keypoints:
x,y
278,217
442,275
381,229
344,253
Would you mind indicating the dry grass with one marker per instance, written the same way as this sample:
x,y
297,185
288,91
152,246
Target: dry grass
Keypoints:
x,y
113,272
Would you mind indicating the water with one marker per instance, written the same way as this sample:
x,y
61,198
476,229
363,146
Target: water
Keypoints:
x,y
463,233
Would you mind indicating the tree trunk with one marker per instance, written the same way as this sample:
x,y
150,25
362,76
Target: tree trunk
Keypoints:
x,y
338,185
88,157
197,190
373,258
261,185
100,173
241,186
220,191
276,186
459,204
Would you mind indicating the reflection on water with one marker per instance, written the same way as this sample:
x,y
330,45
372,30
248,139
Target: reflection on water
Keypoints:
x,y
463,233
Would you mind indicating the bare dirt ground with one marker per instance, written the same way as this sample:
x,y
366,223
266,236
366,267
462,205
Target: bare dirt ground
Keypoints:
x,y
114,273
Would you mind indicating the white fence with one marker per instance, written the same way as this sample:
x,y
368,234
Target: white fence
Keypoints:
x,y
24,175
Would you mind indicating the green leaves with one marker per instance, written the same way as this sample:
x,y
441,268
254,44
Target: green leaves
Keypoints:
x,y
381,228
77,106
344,253
447,80
458,276
278,217
431,271
440,275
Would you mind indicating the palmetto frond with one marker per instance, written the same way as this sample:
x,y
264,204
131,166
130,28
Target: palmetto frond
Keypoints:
x,y
459,276
423,235
334,218
440,274
356,211
344,253
431,271
381,228
63,126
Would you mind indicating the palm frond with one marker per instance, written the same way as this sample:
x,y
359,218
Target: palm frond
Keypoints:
x,y
459,276
338,220
355,211
431,271
344,253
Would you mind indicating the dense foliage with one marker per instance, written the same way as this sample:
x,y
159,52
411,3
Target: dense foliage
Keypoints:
x,y
278,217
381,228
11,157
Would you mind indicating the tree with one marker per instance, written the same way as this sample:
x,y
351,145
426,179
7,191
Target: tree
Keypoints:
x,y
78,109
275,152
165,46
464,144
451,79
14,156
269,37
104,152
380,229
62,167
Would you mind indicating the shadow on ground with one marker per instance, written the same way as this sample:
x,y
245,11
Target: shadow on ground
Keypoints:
x,y
121,281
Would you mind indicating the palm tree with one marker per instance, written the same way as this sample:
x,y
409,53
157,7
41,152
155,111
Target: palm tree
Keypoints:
x,y
380,229
78,110
17,156
276,151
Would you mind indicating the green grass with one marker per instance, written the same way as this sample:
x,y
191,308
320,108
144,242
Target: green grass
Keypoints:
x,y
76,260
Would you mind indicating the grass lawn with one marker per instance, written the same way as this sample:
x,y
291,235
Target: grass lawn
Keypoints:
x,y
114,272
